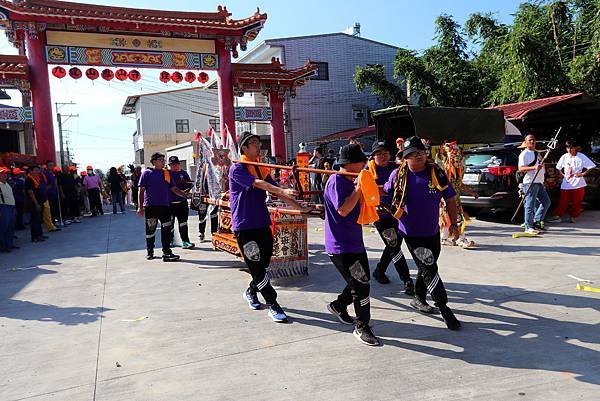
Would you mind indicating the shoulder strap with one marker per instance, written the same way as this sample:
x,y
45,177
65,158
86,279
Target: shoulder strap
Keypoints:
x,y
535,159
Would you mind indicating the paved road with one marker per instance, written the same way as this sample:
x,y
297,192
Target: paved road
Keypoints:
x,y
84,316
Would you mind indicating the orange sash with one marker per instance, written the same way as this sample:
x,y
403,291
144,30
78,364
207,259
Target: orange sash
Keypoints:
x,y
371,166
36,181
369,199
258,171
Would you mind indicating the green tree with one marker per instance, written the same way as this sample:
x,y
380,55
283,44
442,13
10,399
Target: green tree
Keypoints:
x,y
551,48
373,76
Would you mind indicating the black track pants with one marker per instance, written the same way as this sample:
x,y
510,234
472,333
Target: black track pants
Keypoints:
x,y
392,238
180,211
155,214
257,248
354,268
425,252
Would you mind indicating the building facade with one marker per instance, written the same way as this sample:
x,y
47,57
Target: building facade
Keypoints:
x,y
329,103
167,119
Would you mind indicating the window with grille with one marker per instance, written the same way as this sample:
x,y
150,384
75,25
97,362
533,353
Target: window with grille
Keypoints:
x,y
322,72
182,126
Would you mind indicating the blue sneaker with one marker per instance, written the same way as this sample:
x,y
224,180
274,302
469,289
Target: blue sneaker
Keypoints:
x,y
277,314
252,300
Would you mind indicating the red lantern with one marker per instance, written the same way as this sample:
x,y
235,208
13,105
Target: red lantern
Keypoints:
x,y
121,74
177,77
134,75
75,73
203,77
92,73
190,77
165,76
107,74
59,72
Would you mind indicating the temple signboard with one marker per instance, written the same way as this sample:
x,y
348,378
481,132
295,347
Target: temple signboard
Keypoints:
x,y
16,115
115,50
253,113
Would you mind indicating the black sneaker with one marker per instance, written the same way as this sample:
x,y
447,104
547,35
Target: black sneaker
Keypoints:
x,y
150,255
451,321
409,288
341,314
366,336
380,276
539,225
421,306
170,257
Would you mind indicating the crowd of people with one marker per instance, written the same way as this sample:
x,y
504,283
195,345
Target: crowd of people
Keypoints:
x,y
419,204
417,196
47,198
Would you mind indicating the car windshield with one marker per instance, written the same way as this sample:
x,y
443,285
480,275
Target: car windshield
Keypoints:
x,y
483,159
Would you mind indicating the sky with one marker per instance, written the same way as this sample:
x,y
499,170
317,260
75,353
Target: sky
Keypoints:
x,y
102,137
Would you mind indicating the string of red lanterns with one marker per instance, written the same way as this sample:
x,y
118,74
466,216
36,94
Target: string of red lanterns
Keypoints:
x,y
177,77
133,75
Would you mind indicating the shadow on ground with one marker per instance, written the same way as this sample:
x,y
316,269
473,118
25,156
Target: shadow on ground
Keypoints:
x,y
499,330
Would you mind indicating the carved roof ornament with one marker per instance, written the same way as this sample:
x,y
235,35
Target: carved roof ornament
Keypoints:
x,y
147,20
270,77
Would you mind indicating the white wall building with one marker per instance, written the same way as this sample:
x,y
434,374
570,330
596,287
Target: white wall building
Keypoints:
x,y
167,119
329,102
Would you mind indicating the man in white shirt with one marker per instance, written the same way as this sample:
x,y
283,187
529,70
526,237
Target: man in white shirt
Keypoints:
x,y
7,212
573,166
533,186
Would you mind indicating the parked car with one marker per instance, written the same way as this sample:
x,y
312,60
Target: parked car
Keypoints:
x,y
491,172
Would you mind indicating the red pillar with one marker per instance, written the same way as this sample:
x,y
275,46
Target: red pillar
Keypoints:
x,y
277,127
225,83
40,97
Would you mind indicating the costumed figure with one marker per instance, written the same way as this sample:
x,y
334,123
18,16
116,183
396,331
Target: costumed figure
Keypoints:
x,y
454,169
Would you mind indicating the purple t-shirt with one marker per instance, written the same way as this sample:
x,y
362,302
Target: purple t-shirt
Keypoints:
x,y
342,234
51,186
383,175
422,210
156,188
182,180
248,208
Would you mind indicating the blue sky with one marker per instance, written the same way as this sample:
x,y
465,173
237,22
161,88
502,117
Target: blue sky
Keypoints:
x,y
102,136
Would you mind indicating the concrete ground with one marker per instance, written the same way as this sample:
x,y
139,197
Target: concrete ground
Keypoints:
x,y
84,316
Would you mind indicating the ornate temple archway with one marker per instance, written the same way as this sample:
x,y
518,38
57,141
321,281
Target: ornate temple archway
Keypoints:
x,y
57,32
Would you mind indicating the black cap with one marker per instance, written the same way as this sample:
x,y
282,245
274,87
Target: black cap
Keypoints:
x,y
351,153
245,137
155,156
174,160
411,145
381,145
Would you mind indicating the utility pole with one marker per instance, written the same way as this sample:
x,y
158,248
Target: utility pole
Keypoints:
x,y
60,130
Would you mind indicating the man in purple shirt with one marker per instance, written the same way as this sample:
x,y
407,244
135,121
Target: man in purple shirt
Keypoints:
x,y
251,222
153,201
387,226
344,244
421,186
178,204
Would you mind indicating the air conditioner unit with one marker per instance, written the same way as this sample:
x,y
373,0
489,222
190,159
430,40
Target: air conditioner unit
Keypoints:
x,y
358,114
